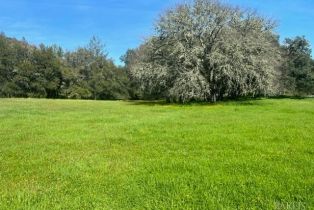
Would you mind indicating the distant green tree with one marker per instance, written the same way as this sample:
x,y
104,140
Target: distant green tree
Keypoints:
x,y
13,53
48,72
133,84
6,67
98,77
298,68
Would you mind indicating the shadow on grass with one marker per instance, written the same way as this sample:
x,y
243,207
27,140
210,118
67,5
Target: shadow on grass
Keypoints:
x,y
289,97
244,101
150,103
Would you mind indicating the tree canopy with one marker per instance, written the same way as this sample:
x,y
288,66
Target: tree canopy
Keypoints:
x,y
206,51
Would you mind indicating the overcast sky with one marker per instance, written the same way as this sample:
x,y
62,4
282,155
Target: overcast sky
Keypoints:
x,y
123,24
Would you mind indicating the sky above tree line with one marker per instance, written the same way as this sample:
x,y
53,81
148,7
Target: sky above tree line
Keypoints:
x,y
124,24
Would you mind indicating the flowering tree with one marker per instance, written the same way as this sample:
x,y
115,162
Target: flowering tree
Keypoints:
x,y
206,51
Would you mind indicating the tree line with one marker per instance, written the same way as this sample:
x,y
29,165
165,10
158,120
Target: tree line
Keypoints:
x,y
49,72
200,51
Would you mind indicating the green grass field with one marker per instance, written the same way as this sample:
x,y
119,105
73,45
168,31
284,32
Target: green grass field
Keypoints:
x,y
60,154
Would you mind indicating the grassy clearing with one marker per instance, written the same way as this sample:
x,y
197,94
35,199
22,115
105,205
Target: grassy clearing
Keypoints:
x,y
59,154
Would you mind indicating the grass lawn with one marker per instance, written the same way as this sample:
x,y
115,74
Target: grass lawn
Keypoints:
x,y
62,154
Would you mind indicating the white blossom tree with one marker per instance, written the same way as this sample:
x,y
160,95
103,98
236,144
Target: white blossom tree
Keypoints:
x,y
206,51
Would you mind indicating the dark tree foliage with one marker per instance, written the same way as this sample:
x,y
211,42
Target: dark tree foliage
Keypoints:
x,y
48,72
133,84
298,67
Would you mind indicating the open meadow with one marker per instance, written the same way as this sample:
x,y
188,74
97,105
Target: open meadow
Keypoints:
x,y
67,154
